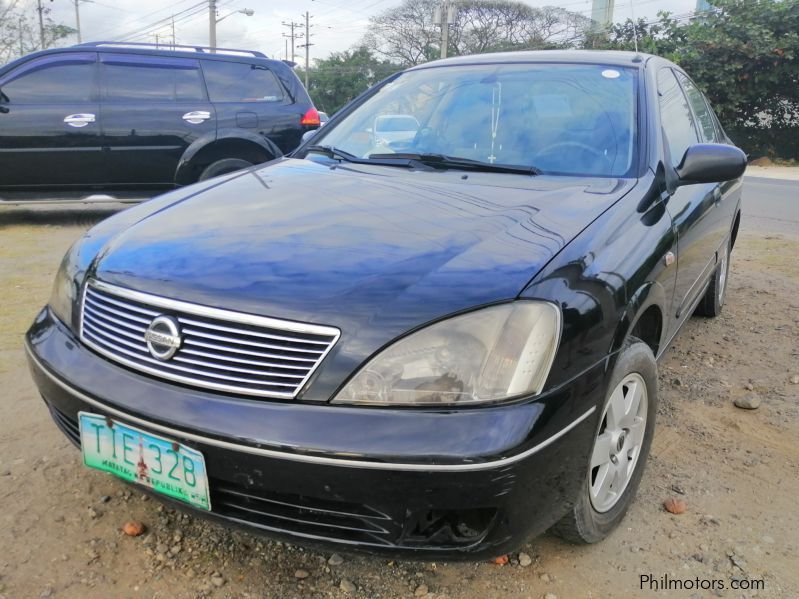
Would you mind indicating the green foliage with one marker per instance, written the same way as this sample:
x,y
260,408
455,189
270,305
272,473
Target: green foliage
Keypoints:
x,y
744,55
337,79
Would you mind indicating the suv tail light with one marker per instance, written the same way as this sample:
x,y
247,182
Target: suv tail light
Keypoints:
x,y
310,118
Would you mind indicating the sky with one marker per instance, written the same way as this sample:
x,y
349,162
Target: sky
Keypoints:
x,y
336,25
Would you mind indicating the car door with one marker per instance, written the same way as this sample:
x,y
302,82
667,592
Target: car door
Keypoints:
x,y
690,206
152,109
49,130
722,211
250,96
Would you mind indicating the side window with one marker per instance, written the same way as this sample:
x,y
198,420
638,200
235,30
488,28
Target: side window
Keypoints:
x,y
675,116
241,82
150,79
55,79
704,116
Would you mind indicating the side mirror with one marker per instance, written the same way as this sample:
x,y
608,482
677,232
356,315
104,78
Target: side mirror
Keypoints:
x,y
308,135
711,163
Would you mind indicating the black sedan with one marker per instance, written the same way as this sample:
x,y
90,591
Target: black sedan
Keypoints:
x,y
433,344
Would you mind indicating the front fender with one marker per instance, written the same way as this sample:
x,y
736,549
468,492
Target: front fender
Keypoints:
x,y
605,277
183,173
652,293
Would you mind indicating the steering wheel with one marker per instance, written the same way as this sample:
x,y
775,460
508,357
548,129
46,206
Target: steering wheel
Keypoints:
x,y
569,144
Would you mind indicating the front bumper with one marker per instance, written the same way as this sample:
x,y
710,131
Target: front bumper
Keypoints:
x,y
425,483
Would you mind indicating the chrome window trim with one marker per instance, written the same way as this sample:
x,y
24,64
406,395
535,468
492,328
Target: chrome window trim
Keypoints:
x,y
299,457
157,301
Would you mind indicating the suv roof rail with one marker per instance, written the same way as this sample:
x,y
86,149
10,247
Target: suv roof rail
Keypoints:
x,y
173,47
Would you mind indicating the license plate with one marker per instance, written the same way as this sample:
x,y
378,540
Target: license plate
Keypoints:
x,y
140,457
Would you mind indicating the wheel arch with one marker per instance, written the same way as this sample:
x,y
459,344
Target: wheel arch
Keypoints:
x,y
226,144
643,318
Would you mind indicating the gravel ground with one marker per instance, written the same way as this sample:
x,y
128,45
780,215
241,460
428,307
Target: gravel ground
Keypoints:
x,y
736,470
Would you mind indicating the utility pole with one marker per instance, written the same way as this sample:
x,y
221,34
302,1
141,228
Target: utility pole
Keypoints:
x,y
41,23
77,20
212,24
292,36
307,45
21,43
444,16
174,41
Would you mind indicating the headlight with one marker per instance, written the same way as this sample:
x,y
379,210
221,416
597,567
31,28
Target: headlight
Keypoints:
x,y
484,356
65,290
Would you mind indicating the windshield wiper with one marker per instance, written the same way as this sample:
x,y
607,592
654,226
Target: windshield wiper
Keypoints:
x,y
333,152
381,159
444,161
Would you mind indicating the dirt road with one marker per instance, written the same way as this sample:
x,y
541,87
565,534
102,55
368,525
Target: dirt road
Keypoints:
x,y
737,470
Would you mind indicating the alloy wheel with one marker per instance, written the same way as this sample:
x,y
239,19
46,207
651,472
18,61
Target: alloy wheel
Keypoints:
x,y
618,443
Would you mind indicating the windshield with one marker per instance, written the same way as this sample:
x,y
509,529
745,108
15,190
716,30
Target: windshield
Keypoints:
x,y
571,119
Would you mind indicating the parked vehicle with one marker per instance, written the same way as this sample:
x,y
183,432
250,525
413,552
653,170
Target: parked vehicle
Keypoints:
x,y
323,118
107,116
392,128
448,349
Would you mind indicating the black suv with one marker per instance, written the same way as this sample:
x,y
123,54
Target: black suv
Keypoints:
x,y
109,116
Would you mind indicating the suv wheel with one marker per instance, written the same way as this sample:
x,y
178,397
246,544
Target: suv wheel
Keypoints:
x,y
222,167
620,449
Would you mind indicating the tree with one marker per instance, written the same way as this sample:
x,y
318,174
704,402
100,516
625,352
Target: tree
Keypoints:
x,y
336,80
744,54
407,35
19,30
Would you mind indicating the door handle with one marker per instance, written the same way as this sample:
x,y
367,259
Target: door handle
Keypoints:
x,y
195,117
79,120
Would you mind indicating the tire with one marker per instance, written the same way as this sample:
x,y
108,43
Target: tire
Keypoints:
x,y
713,300
222,167
600,508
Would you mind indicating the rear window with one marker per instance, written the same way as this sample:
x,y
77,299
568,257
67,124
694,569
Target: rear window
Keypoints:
x,y
240,82
150,79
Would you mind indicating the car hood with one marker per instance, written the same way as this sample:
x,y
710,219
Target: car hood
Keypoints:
x,y
375,251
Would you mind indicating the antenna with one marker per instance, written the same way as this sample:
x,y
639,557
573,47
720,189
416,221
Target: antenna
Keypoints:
x,y
635,29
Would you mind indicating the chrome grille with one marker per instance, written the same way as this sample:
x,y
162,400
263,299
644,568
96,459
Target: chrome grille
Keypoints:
x,y
220,350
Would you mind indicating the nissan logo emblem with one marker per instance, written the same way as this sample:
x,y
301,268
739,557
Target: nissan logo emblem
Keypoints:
x,y
163,337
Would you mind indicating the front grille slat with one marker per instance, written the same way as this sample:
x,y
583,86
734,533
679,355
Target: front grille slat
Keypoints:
x,y
134,354
112,328
227,339
93,305
246,352
243,331
237,360
243,354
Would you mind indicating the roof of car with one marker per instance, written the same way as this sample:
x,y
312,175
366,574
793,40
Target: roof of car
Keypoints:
x,y
610,57
197,52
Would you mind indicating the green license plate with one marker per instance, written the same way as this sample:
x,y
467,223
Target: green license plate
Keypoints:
x,y
136,456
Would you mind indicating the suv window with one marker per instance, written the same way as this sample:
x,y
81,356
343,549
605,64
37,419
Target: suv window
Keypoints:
x,y
150,79
241,82
675,116
704,116
52,80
